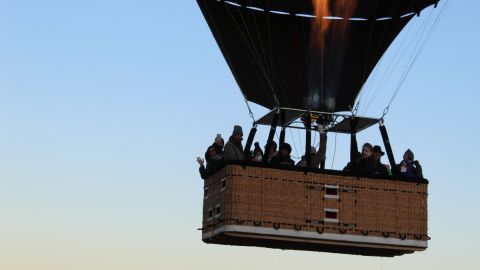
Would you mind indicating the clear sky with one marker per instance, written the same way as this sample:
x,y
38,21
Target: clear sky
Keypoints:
x,y
104,106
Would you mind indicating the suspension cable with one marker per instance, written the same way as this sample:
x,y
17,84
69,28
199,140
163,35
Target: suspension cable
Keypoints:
x,y
415,57
334,151
250,111
227,56
294,143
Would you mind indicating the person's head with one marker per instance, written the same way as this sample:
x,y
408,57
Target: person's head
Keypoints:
x,y
367,150
273,148
237,133
219,140
212,152
257,153
285,149
408,155
377,152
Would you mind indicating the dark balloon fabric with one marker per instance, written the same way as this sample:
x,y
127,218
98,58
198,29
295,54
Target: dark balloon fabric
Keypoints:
x,y
268,47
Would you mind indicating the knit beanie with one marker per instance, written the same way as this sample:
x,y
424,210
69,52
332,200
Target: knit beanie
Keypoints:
x,y
237,130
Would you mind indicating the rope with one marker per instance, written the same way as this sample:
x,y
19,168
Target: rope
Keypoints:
x,y
334,151
227,56
294,143
390,68
266,51
247,38
355,109
415,57
377,50
250,111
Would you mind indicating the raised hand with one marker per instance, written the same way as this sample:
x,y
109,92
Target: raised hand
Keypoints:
x,y
200,161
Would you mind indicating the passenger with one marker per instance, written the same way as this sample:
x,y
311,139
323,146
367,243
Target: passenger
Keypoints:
x,y
273,150
409,167
314,159
218,144
282,158
380,169
366,165
233,148
214,162
353,167
257,153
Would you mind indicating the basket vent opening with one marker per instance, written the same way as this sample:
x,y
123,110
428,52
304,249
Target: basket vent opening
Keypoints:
x,y
331,191
330,214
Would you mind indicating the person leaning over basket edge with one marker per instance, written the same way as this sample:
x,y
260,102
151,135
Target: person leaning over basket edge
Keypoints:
x,y
214,161
218,144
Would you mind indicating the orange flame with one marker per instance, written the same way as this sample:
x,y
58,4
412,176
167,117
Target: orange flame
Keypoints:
x,y
323,8
328,33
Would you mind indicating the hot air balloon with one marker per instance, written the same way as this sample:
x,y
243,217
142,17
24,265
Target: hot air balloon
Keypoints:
x,y
307,61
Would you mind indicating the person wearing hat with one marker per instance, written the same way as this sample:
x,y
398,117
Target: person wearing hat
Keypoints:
x,y
409,167
282,158
233,150
380,169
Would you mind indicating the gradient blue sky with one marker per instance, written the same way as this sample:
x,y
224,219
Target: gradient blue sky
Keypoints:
x,y
104,106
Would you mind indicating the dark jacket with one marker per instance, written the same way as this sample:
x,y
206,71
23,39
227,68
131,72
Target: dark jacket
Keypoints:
x,y
352,167
314,161
218,149
366,166
233,150
380,170
279,160
414,170
213,165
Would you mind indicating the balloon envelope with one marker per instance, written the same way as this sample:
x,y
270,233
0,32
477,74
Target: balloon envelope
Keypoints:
x,y
277,61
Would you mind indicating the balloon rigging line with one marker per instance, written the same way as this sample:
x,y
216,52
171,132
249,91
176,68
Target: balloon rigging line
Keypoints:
x,y
294,143
253,51
373,94
375,71
422,47
390,68
334,151
384,32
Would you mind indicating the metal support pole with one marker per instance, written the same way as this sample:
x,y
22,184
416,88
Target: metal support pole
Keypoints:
x,y
353,140
248,145
282,136
322,152
388,147
282,123
270,138
308,139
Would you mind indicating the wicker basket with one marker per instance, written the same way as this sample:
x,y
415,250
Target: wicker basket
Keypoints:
x,y
288,209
